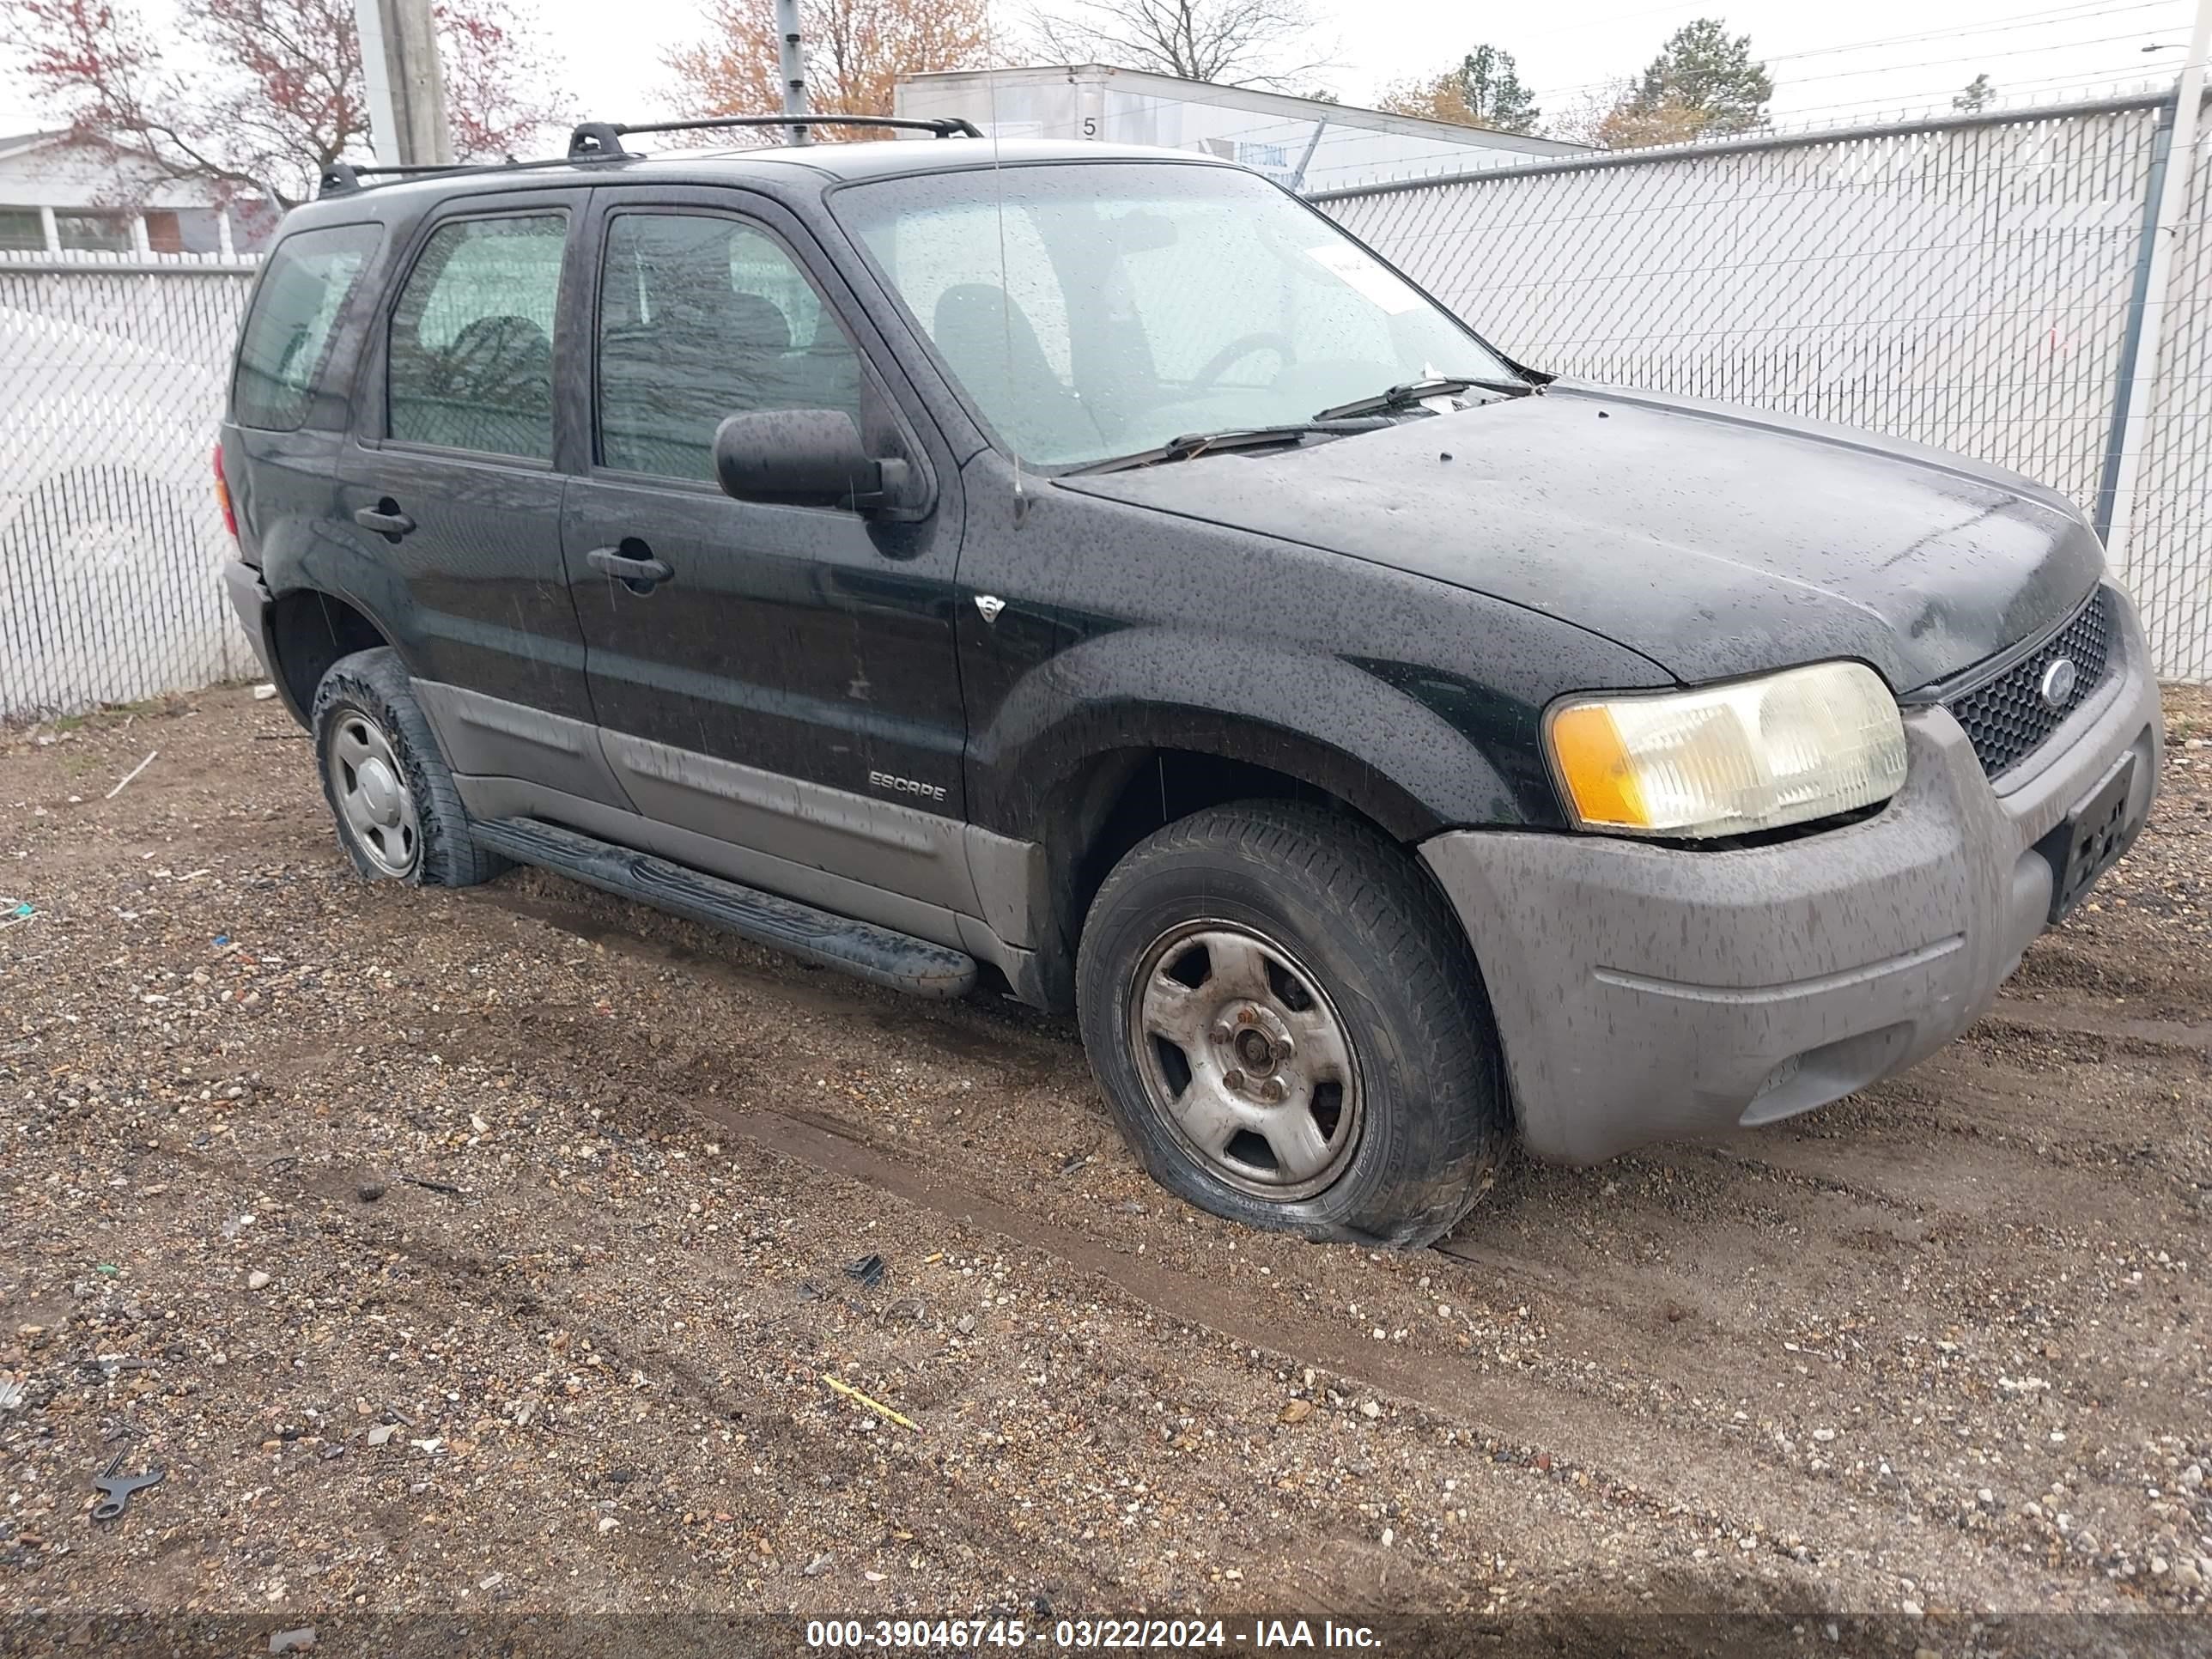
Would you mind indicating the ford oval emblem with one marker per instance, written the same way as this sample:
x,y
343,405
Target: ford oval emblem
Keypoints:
x,y
2058,682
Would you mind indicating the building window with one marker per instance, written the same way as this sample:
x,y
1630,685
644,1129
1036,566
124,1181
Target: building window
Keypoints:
x,y
86,232
184,230
22,230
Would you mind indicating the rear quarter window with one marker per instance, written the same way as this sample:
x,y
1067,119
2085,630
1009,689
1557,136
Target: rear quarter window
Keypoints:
x,y
305,289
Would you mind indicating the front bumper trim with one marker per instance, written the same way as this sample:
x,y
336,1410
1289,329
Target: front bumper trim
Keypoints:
x,y
1735,996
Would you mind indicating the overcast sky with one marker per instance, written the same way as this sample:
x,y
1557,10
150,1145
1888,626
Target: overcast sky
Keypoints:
x,y
1868,58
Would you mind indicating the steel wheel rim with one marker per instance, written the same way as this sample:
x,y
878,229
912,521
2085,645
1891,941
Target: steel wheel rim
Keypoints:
x,y
373,796
1245,1060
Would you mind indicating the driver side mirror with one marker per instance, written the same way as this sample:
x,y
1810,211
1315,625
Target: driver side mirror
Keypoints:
x,y
811,458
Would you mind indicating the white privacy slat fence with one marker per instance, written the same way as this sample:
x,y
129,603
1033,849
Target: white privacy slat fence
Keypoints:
x,y
112,376
1967,284
2169,549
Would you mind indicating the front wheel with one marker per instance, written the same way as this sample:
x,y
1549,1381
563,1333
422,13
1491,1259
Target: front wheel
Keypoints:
x,y
1291,1028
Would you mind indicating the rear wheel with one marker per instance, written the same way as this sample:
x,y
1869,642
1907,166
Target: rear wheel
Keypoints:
x,y
1289,1027
399,817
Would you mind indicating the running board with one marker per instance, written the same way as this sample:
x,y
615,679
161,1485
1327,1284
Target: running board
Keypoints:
x,y
878,954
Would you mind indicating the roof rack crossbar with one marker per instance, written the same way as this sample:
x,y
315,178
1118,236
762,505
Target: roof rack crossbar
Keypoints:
x,y
602,140
340,177
597,139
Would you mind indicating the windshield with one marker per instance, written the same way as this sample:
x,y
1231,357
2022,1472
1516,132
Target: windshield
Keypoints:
x,y
1092,309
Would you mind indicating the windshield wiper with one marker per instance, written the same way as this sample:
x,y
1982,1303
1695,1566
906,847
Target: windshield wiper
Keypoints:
x,y
1192,444
1399,398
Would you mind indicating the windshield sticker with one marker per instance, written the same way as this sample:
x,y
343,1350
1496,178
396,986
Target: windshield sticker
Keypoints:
x,y
1357,271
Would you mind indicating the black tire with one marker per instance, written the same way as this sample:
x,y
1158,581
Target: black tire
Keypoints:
x,y
372,687
1332,901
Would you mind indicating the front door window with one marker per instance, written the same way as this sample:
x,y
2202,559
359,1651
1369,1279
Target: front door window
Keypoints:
x,y
701,318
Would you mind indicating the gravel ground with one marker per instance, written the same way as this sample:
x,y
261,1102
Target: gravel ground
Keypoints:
x,y
490,1253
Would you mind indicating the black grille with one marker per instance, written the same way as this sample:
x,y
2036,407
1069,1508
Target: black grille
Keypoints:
x,y
2006,719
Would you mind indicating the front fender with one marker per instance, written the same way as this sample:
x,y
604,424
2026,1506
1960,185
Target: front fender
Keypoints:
x,y
1116,626
1336,725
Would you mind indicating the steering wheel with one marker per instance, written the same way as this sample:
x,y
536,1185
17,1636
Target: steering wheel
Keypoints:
x,y
1239,349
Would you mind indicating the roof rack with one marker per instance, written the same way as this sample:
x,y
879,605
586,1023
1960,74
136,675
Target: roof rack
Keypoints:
x,y
342,178
596,139
602,140
338,178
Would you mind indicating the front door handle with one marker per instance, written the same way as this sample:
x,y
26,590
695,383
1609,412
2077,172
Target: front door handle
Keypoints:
x,y
384,519
639,575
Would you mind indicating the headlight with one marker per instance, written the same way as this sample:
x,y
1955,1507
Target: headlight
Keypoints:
x,y
1730,759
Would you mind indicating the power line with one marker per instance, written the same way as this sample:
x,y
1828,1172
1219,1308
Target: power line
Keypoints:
x,y
1548,93
2050,88
2049,85
1604,22
1349,137
1971,57
2082,13
2077,11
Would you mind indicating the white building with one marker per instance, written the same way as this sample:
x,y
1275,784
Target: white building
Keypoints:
x,y
1304,142
60,194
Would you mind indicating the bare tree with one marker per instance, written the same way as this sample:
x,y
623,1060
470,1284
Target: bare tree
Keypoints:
x,y
858,50
1583,121
1636,124
1236,43
277,93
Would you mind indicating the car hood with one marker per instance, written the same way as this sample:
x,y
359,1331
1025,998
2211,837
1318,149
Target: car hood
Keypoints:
x,y
1714,540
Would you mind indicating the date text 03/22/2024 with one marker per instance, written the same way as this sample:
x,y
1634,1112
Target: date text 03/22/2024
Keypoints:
x,y
1168,1635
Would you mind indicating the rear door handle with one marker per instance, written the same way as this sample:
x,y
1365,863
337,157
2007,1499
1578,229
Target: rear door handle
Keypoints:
x,y
639,575
384,519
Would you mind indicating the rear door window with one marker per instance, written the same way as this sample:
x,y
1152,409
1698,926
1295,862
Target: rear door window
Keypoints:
x,y
471,355
310,278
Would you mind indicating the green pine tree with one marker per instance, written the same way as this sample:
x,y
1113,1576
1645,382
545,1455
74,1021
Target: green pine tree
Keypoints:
x,y
1490,86
1708,78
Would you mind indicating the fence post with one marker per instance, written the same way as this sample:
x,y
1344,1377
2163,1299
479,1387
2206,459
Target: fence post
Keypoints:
x,y
2168,199
1305,161
2116,434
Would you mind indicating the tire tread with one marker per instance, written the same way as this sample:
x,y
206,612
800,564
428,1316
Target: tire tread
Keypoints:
x,y
1437,984
379,682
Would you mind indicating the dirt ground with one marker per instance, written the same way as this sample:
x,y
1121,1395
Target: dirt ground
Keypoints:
x,y
488,1253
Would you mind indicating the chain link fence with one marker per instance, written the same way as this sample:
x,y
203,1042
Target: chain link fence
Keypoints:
x,y
2168,553
111,377
1966,284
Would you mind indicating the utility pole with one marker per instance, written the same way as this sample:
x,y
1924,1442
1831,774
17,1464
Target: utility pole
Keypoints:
x,y
406,85
791,62
2139,383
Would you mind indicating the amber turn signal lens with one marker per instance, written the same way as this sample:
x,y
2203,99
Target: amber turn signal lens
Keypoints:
x,y
1595,766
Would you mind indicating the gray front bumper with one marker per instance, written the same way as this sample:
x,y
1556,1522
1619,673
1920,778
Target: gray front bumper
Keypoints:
x,y
1647,993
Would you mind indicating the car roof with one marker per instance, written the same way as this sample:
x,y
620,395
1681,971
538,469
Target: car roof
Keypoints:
x,y
830,164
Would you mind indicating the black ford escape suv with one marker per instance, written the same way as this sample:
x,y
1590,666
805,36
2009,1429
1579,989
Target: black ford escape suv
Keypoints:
x,y
1092,568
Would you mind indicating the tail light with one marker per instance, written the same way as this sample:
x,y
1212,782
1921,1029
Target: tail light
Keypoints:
x,y
222,496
